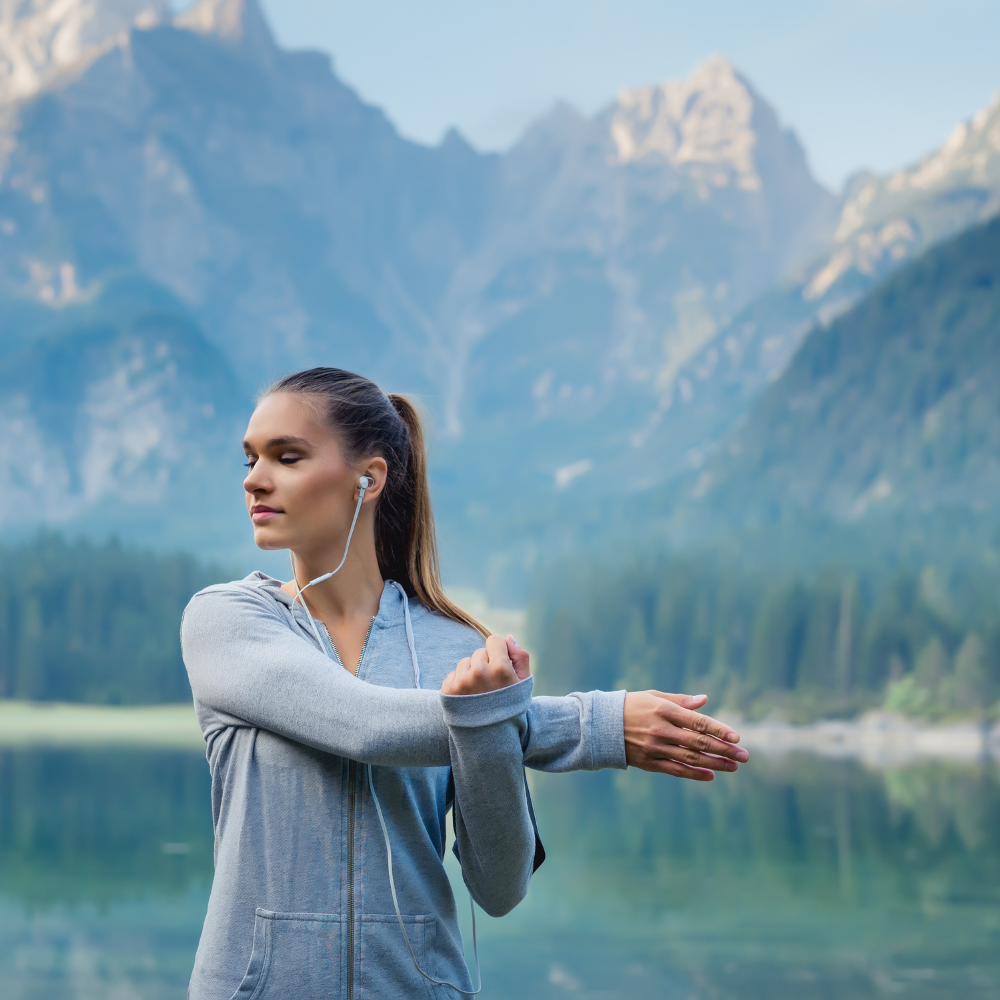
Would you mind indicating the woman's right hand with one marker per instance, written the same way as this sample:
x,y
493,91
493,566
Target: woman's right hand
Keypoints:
x,y
488,669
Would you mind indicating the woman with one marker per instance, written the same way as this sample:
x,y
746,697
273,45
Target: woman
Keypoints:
x,y
319,769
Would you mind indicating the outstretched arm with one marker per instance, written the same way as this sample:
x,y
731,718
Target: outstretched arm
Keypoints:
x,y
247,667
650,730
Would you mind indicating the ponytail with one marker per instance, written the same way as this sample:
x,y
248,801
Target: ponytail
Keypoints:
x,y
370,423
423,571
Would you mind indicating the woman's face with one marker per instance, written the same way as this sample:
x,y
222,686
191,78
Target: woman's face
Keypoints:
x,y
300,491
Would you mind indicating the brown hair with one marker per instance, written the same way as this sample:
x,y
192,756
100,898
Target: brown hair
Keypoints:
x,y
369,422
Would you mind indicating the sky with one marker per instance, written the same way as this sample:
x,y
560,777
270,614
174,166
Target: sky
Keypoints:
x,y
868,84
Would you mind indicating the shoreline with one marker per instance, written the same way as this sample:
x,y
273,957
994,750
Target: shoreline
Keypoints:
x,y
876,738
62,724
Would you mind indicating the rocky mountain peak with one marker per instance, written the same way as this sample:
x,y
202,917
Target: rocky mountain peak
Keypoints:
x,y
706,121
40,39
238,22
887,219
969,156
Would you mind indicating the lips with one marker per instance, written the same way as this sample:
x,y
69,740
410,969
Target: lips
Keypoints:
x,y
260,513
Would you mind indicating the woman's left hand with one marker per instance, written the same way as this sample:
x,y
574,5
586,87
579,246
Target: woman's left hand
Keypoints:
x,y
663,733
488,669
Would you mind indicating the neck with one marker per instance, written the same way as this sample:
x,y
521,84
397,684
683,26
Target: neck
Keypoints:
x,y
352,593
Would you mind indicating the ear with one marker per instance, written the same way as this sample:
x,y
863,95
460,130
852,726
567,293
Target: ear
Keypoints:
x,y
376,470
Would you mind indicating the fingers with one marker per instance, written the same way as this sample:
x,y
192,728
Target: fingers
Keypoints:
x,y
488,669
452,684
484,673
659,730
692,701
496,648
671,736
694,759
686,719
519,658
679,770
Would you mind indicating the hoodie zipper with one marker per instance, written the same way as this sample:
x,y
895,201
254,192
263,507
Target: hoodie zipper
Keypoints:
x,y
352,781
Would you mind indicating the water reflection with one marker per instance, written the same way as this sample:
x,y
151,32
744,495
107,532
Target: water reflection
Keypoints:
x,y
799,877
102,825
803,878
105,864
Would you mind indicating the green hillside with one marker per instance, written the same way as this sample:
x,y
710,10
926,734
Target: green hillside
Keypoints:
x,y
843,546
893,406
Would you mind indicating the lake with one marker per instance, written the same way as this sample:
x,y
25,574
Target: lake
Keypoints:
x,y
797,877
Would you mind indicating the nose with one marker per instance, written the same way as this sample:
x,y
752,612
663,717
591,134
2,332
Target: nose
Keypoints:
x,y
255,480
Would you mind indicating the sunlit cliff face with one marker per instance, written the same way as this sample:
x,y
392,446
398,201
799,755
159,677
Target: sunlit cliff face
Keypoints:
x,y
42,39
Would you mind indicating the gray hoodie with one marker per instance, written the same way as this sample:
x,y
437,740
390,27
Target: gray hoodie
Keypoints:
x,y
300,904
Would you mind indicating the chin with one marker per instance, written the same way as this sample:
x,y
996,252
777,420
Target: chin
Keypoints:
x,y
263,540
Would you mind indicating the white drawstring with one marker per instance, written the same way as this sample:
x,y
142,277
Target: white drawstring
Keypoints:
x,y
409,632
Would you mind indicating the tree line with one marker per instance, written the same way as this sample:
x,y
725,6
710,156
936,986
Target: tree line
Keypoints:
x,y
94,623
917,640
82,622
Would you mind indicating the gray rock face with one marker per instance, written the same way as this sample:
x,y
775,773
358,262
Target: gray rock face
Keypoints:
x,y
118,417
623,244
543,304
882,223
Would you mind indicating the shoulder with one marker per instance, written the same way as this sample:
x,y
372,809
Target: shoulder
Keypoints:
x,y
447,636
256,594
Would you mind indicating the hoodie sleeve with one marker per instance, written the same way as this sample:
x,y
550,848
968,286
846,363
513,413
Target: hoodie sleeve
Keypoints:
x,y
577,732
247,667
494,828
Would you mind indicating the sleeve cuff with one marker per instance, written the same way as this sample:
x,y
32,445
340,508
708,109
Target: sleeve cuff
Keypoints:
x,y
607,725
467,711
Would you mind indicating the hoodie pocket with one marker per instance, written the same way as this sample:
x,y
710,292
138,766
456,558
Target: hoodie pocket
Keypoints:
x,y
385,968
296,955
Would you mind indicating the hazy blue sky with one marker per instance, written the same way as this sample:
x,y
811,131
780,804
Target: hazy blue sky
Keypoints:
x,y
865,83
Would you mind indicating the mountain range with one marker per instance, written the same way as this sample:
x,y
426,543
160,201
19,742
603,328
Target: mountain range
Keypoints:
x,y
187,212
882,223
894,405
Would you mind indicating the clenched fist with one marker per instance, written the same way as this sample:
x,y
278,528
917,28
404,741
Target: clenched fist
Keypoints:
x,y
501,663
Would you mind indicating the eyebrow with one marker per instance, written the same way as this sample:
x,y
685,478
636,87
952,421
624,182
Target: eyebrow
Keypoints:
x,y
279,442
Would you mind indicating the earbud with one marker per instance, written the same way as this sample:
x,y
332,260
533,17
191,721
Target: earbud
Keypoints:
x,y
364,483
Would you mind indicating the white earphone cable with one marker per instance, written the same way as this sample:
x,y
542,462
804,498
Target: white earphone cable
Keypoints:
x,y
399,916
385,832
363,483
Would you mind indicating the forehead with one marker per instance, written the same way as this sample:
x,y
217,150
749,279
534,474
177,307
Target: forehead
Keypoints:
x,y
286,414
